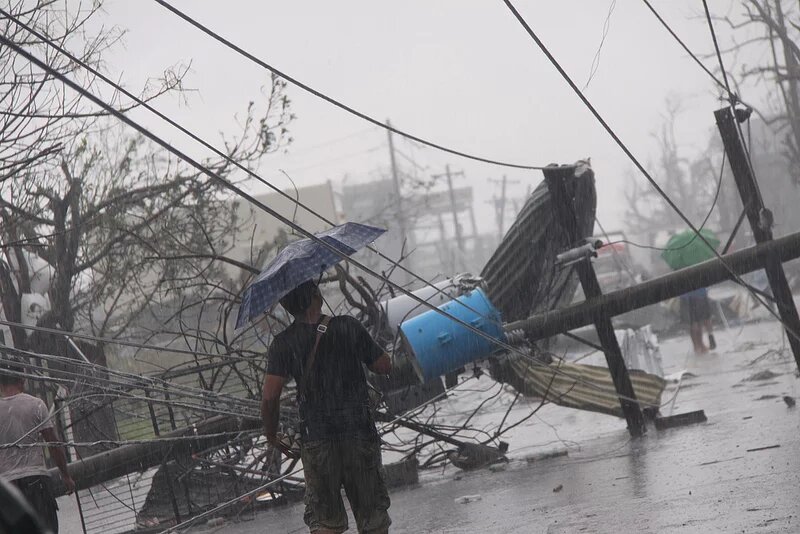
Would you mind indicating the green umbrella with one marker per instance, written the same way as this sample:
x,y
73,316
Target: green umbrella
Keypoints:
x,y
686,248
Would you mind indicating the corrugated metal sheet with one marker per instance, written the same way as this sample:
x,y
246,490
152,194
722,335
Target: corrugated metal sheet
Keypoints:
x,y
581,386
520,275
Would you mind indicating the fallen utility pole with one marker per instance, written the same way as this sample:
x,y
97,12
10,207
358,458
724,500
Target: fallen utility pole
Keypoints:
x,y
212,432
114,463
557,179
665,287
760,219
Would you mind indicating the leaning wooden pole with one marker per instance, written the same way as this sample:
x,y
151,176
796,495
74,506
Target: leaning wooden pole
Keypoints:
x,y
704,274
760,219
556,178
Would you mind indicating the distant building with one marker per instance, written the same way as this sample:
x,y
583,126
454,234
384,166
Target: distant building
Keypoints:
x,y
436,247
375,203
260,231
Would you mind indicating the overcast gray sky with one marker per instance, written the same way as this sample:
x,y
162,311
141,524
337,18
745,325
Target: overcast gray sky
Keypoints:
x,y
462,73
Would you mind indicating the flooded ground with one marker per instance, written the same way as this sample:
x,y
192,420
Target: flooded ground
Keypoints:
x,y
739,472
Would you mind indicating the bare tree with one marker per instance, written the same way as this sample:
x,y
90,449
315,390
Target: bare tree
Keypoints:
x,y
690,180
118,223
770,30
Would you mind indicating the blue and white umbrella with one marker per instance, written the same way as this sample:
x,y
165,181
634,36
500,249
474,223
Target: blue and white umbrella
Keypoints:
x,y
299,261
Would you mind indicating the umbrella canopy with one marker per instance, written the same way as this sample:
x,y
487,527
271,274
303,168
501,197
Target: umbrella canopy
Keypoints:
x,y
299,261
686,248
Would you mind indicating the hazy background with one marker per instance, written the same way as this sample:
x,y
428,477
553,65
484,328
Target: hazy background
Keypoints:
x,y
461,73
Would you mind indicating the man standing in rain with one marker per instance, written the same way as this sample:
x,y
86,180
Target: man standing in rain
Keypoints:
x,y
23,419
340,445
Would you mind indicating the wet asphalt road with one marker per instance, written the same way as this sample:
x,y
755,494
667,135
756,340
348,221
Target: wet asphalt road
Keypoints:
x,y
717,476
739,472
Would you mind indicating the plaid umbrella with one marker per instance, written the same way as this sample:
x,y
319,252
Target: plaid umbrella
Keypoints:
x,y
686,248
299,261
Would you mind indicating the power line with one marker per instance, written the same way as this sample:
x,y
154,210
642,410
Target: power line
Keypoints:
x,y
120,380
686,48
251,199
206,144
733,97
594,111
719,53
638,165
293,151
237,190
211,33
702,226
225,183
337,158
596,60
121,342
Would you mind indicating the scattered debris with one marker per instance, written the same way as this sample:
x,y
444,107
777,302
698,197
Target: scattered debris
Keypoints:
x,y
466,499
402,473
763,448
215,522
558,488
720,461
762,375
497,468
782,354
694,385
475,456
546,456
790,402
681,419
767,397
748,345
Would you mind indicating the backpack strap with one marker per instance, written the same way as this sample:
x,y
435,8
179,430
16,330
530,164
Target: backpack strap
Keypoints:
x,y
322,327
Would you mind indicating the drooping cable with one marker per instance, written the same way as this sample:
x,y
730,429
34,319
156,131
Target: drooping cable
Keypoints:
x,y
118,88
239,50
697,60
237,190
719,53
638,164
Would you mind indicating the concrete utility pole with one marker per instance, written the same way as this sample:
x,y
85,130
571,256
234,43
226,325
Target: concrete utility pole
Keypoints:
x,y
477,242
402,223
500,208
448,259
548,324
454,209
401,216
501,215
760,219
556,179
500,205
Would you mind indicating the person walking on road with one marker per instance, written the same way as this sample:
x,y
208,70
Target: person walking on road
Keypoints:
x,y
24,419
696,311
340,446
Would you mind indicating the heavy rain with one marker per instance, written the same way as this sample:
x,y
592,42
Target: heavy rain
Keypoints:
x,y
409,267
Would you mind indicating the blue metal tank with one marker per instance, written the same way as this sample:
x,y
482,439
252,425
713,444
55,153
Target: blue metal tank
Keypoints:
x,y
437,345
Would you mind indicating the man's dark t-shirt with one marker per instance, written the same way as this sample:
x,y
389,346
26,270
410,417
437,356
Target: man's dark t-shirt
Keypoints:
x,y
336,403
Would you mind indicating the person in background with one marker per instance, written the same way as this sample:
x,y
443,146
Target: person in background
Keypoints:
x,y
24,420
340,446
696,311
